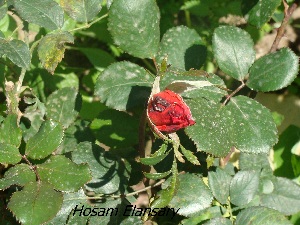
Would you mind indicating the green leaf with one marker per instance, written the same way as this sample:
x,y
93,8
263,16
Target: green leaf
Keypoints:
x,y
90,108
45,141
52,48
296,149
76,133
189,156
218,221
244,186
62,78
211,131
253,129
126,214
285,197
219,183
98,57
152,160
106,170
134,26
115,129
63,174
71,200
283,165
183,48
10,132
123,85
9,154
257,13
274,71
194,84
216,126
17,51
35,113
208,213
198,198
77,219
36,203
233,50
45,13
64,105
3,10
156,157
81,10
20,174
156,176
259,162
165,196
261,215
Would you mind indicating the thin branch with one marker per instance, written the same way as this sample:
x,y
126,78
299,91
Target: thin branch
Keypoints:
x,y
150,67
288,11
32,167
223,161
127,195
156,65
19,23
20,81
88,25
188,18
233,93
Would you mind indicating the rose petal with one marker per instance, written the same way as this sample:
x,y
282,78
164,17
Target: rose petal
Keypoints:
x,y
168,112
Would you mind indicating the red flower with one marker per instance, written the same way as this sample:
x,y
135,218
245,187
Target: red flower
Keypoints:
x,y
168,112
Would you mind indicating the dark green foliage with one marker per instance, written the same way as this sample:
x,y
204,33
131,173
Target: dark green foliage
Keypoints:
x,y
76,77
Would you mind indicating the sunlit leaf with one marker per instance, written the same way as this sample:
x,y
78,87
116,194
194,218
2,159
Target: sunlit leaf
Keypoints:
x,y
244,186
64,105
192,203
183,48
46,13
45,141
71,201
81,10
17,51
123,85
134,26
36,203
284,197
274,71
52,48
219,183
64,174
233,50
20,174
259,12
261,215
9,154
10,132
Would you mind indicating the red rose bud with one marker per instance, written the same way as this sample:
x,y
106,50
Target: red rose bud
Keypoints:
x,y
168,112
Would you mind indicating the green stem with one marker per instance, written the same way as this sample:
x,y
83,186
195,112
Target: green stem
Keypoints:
x,y
126,195
149,66
230,211
20,81
32,167
234,92
89,24
188,18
